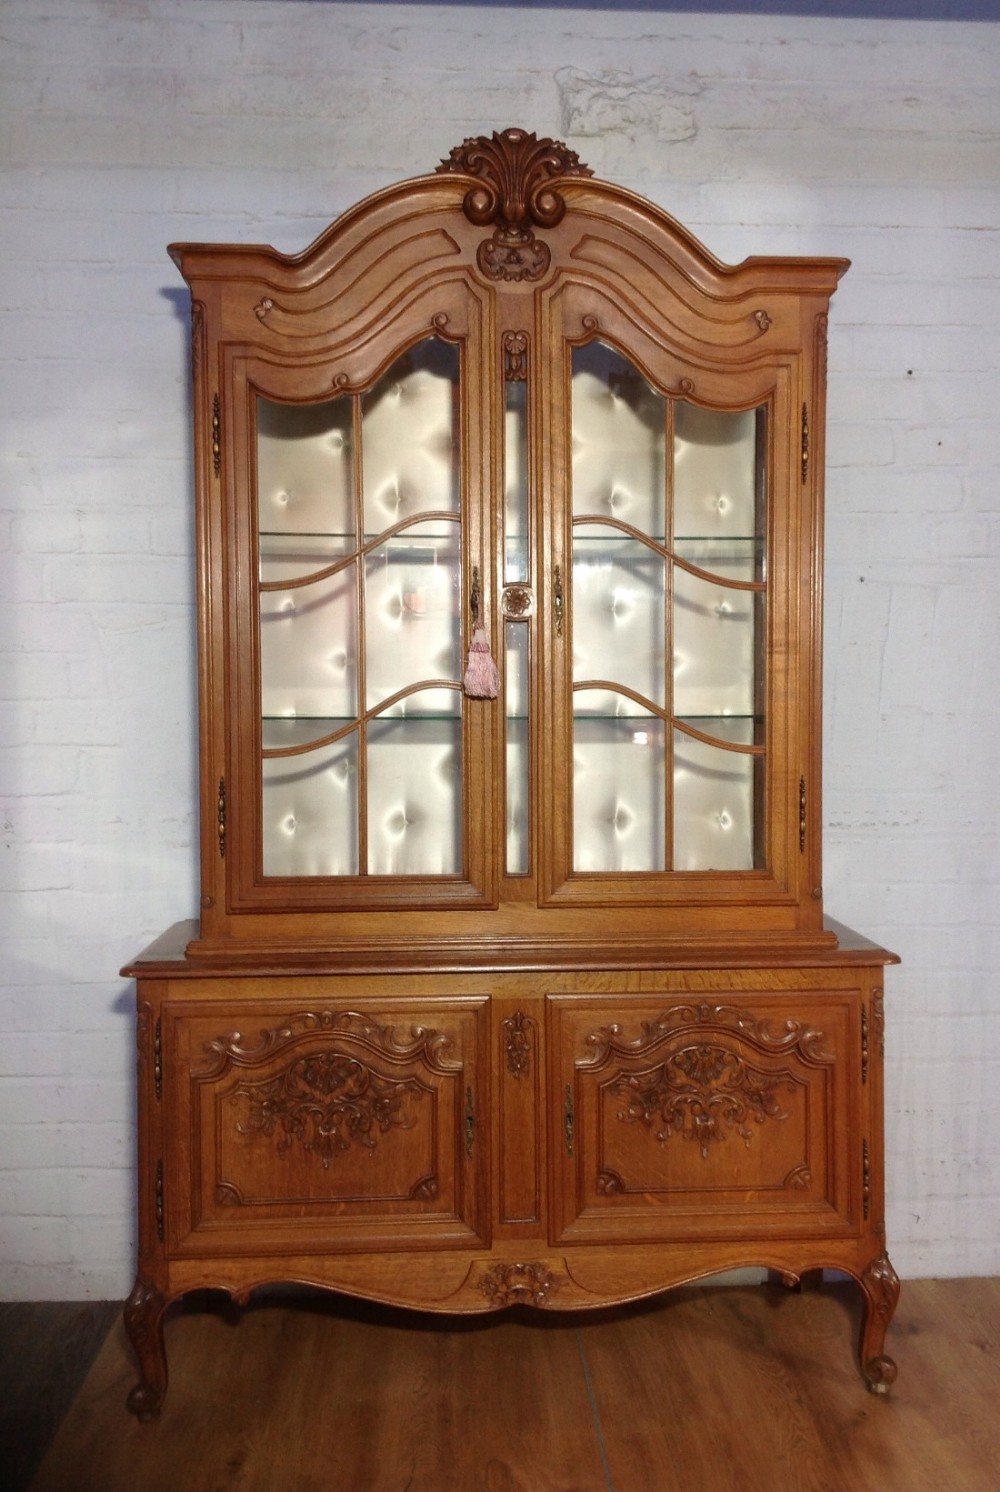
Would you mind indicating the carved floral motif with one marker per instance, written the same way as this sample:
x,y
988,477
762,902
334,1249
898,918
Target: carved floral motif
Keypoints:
x,y
518,1032
703,1093
789,1036
327,1101
517,1284
515,357
878,1016
515,173
233,1049
517,601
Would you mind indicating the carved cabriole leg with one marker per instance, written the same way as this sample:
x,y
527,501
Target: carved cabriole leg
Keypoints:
x,y
880,1284
143,1317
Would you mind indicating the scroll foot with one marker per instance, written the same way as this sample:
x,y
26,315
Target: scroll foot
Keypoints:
x,y
880,1374
880,1284
143,1317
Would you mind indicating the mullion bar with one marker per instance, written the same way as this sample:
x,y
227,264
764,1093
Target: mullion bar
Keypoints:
x,y
516,373
669,436
362,635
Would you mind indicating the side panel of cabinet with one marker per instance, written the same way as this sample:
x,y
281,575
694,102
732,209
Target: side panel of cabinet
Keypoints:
x,y
334,1127
732,1115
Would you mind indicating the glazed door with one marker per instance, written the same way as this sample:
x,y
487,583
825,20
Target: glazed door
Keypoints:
x,y
360,544
669,636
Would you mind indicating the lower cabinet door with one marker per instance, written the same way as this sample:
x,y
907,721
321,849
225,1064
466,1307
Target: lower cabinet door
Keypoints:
x,y
711,1118
333,1128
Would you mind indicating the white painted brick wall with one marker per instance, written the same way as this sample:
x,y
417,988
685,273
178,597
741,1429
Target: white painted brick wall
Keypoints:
x,y
130,123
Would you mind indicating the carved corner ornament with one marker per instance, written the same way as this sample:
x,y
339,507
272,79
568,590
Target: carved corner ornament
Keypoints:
x,y
514,192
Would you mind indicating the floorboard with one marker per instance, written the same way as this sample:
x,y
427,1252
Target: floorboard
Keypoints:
x,y
752,1389
46,1350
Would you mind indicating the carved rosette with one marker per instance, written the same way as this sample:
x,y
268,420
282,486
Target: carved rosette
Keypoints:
x,y
517,601
703,1093
327,1101
515,192
517,1284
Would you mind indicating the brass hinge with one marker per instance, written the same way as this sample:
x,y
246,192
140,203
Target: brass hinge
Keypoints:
x,y
470,1123
216,434
802,815
221,818
158,1058
568,1119
159,1200
805,442
866,1180
864,1043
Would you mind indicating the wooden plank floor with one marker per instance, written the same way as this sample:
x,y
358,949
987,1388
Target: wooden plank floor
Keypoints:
x,y
46,1350
752,1389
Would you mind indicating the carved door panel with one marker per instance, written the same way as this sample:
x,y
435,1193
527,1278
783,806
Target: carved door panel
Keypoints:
x,y
728,1116
326,1128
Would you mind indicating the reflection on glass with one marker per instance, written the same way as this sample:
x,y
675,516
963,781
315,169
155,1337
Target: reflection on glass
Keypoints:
x,y
310,811
518,791
411,612
351,615
668,602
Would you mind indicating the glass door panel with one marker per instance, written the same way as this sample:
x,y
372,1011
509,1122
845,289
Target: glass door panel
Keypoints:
x,y
360,626
713,798
619,596
517,777
412,621
668,626
619,788
311,808
415,790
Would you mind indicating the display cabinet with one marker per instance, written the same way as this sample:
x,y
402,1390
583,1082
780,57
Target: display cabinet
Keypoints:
x,y
512,982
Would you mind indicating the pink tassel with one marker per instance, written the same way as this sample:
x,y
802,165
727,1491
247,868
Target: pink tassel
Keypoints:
x,y
482,678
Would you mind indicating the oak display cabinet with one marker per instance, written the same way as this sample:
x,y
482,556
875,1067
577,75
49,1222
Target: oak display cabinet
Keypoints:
x,y
509,987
